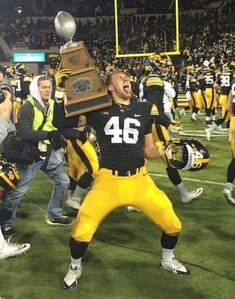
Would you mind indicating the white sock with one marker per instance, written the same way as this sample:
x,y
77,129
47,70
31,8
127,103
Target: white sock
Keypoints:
x,y
229,186
2,240
76,263
167,254
183,191
78,192
213,127
69,193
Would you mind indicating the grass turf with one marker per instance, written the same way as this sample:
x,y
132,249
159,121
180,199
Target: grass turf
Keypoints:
x,y
123,259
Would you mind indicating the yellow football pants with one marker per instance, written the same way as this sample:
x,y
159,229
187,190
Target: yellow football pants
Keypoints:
x,y
209,98
110,192
81,157
232,132
223,99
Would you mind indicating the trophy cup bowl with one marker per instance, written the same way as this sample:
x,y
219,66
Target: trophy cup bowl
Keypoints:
x,y
65,26
84,88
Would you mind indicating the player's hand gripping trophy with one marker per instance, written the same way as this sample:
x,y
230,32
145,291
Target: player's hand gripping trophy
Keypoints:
x,y
84,88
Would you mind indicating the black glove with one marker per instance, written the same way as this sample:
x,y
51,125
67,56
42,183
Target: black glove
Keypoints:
x,y
74,134
57,139
54,136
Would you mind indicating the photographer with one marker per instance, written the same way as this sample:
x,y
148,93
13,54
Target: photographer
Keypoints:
x,y
7,249
6,97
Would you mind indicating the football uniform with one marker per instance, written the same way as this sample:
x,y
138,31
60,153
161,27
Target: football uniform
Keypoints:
x,y
208,95
206,83
224,80
192,94
232,121
122,179
21,92
152,89
81,157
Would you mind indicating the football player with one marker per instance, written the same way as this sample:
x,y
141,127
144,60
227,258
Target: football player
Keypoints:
x,y
191,88
223,84
228,190
81,155
123,132
83,166
152,89
206,80
22,81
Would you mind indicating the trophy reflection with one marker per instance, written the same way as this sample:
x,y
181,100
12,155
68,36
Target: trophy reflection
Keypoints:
x,y
84,89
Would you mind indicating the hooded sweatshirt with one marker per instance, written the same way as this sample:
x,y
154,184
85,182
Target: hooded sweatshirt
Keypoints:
x,y
26,116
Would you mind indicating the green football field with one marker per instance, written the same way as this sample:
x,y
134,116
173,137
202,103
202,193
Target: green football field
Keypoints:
x,y
123,259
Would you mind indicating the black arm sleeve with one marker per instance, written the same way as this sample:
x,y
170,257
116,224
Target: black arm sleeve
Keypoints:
x,y
59,119
233,108
162,120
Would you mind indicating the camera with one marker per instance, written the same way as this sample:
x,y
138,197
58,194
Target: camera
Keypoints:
x,y
2,97
5,86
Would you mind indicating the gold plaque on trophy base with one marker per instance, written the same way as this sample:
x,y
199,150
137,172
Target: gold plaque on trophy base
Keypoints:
x,y
85,92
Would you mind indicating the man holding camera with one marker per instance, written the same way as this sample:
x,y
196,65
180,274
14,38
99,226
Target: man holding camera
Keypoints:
x,y
7,249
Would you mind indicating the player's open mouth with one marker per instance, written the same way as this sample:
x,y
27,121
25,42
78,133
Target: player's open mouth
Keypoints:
x,y
127,88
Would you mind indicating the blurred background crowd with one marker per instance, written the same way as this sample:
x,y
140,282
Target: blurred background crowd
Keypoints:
x,y
205,28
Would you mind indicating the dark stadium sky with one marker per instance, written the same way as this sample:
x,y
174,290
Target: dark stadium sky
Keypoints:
x,y
28,3
22,3
9,3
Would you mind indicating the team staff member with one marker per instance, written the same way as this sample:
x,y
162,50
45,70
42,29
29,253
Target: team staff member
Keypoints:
x,y
123,133
37,112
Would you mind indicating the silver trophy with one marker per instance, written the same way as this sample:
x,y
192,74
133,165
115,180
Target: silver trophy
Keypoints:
x,y
65,27
85,90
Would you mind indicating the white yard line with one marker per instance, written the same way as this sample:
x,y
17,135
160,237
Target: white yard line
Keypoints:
x,y
188,179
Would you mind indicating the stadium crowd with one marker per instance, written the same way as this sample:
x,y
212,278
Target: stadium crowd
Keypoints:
x,y
139,33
